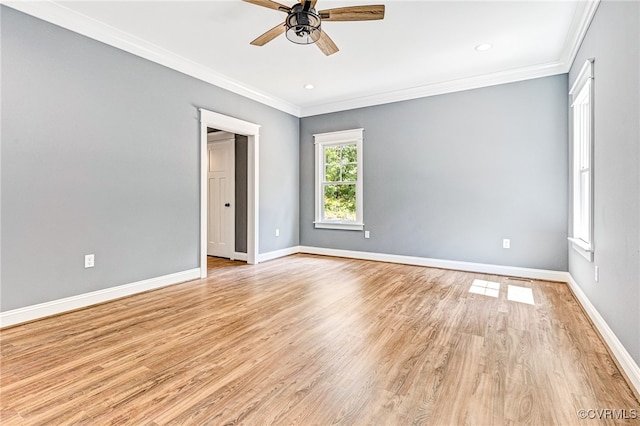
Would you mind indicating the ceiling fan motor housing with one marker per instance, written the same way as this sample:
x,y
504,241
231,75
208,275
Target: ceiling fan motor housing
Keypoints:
x,y
303,26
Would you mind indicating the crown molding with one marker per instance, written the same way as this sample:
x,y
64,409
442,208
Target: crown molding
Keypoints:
x,y
476,82
578,30
69,19
57,14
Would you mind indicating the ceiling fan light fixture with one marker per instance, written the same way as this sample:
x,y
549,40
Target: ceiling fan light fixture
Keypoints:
x,y
303,26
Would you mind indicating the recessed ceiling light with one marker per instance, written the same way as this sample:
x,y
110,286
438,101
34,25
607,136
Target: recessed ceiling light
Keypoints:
x,y
309,86
482,47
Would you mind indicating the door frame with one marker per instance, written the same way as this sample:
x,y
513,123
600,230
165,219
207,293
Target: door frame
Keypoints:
x,y
252,131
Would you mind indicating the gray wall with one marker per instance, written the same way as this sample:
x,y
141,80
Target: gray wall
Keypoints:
x,y
450,176
100,154
613,40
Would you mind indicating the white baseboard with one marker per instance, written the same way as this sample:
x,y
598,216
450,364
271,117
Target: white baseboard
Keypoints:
x,y
263,257
538,274
631,369
41,310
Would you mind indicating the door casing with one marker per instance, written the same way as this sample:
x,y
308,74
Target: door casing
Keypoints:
x,y
252,131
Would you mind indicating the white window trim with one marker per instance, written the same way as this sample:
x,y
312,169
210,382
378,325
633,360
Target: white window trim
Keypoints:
x,y
585,77
337,138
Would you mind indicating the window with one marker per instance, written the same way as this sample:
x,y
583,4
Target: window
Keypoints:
x,y
581,97
339,180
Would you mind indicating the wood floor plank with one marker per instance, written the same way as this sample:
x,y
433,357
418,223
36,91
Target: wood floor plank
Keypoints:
x,y
315,340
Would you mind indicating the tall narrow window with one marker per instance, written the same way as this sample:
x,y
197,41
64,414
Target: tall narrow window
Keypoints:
x,y
581,96
339,180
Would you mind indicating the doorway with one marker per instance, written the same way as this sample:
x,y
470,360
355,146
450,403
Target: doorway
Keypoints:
x,y
221,183
227,189
251,131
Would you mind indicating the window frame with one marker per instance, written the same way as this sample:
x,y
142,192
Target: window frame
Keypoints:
x,y
582,137
321,141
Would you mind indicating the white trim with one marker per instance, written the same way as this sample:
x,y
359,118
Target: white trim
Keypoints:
x,y
322,140
582,247
631,369
60,15
240,256
582,92
263,257
586,73
339,137
585,12
339,225
252,131
451,86
81,24
253,197
30,313
204,197
581,243
587,254
539,274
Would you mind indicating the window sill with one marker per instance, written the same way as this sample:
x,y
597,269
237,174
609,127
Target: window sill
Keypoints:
x,y
339,225
585,250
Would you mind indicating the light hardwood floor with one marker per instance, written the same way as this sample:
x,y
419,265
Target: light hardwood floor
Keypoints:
x,y
315,340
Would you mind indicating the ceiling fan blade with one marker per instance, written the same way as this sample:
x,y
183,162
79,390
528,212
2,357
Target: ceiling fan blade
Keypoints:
x,y
270,4
327,45
269,35
353,13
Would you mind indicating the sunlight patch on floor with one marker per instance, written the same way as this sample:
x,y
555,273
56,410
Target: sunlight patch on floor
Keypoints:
x,y
520,294
486,288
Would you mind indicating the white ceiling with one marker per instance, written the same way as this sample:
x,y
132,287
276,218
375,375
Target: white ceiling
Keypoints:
x,y
420,48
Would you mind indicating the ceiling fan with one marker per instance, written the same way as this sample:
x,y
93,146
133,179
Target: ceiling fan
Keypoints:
x,y
303,21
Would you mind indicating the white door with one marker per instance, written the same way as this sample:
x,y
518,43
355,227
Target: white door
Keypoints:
x,y
221,216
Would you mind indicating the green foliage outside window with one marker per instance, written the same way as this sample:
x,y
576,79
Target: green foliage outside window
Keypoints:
x,y
340,176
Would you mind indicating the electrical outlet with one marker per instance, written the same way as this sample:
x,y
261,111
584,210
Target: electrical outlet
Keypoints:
x,y
366,234
89,261
506,243
277,232
597,273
